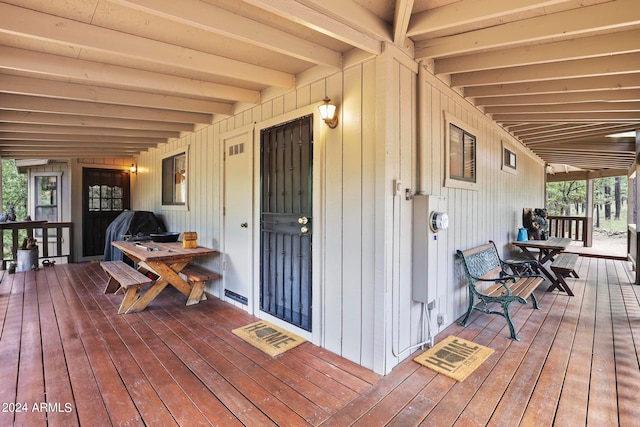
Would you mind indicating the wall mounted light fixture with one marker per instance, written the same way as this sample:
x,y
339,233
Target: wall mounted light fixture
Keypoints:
x,y
133,168
328,113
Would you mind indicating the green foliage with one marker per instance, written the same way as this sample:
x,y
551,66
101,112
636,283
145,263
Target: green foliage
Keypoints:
x,y
14,189
569,199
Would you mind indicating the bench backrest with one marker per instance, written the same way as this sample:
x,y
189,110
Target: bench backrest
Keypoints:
x,y
482,261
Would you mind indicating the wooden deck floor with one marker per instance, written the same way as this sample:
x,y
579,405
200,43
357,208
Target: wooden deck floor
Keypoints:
x,y
67,358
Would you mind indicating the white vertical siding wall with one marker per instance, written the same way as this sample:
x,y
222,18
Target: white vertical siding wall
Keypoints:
x,y
367,313
492,211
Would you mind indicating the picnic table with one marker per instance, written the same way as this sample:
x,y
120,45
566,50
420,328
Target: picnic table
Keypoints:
x,y
548,250
165,260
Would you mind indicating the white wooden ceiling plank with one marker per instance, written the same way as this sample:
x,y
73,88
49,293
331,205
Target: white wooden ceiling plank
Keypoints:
x,y
568,130
568,117
89,121
99,73
220,21
562,107
33,128
589,19
469,11
36,25
616,64
310,18
60,137
543,53
588,147
556,98
51,105
81,92
610,82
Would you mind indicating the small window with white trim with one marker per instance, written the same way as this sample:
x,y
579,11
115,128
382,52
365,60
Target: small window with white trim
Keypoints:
x,y
509,160
460,148
174,180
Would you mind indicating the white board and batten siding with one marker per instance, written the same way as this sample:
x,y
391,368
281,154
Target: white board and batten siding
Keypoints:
x,y
363,234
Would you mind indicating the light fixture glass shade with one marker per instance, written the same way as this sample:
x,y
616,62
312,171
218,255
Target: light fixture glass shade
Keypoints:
x,y
133,168
328,113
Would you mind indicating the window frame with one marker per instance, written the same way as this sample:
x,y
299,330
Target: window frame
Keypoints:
x,y
173,205
509,160
453,181
33,199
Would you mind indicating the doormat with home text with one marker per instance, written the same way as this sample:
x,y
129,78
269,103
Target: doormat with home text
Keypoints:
x,y
269,338
454,357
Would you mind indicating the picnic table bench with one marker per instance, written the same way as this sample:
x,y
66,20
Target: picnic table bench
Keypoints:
x,y
564,266
492,280
126,279
198,276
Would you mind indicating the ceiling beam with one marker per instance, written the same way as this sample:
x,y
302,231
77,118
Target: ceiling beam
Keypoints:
x,y
89,121
51,105
616,64
574,22
563,85
465,12
68,154
219,21
78,70
351,12
568,117
580,48
59,137
78,130
401,20
584,175
579,147
354,34
566,130
565,107
560,98
81,92
35,25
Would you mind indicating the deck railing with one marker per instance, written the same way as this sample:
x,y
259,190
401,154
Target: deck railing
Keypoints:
x,y
55,239
574,227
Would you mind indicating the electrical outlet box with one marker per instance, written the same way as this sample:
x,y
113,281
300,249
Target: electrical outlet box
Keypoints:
x,y
441,319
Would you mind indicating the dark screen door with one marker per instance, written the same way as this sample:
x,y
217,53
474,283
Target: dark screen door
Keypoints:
x,y
105,196
285,223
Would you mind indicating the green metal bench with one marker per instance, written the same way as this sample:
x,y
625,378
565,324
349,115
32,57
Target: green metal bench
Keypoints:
x,y
492,280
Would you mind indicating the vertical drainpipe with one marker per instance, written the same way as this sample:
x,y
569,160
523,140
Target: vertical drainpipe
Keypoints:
x,y
422,132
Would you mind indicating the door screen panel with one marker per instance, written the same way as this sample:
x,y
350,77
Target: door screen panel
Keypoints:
x,y
286,221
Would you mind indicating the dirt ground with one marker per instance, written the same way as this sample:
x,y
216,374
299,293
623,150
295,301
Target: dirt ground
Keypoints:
x,y
614,244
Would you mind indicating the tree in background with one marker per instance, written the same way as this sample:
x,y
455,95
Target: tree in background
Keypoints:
x,y
14,189
562,196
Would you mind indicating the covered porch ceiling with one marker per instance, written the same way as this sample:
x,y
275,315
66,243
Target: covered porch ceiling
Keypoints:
x,y
95,78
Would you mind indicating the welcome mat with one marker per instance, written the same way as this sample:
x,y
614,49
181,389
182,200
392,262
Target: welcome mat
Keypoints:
x,y
269,338
454,357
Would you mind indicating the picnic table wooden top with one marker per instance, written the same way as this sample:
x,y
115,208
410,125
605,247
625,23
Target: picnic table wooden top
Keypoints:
x,y
156,251
556,243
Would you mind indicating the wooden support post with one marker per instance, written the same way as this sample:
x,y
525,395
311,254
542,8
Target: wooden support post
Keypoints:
x,y
636,204
588,224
